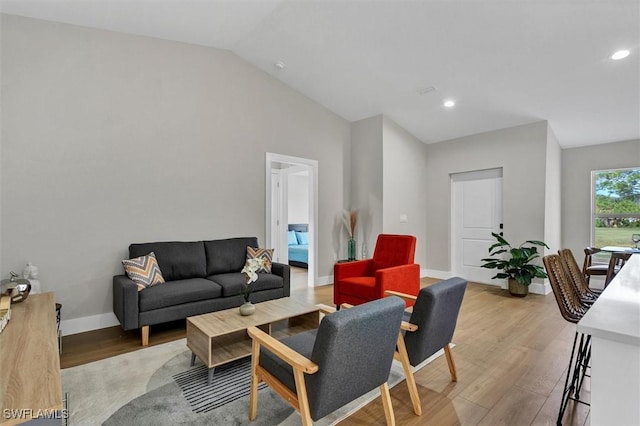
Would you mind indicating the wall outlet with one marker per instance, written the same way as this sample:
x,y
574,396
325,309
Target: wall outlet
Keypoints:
x,y
404,218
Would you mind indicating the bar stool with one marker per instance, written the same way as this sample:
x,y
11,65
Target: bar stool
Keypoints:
x,y
576,278
588,268
572,309
617,261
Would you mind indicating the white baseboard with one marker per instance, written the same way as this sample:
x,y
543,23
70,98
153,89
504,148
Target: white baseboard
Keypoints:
x,y
324,280
94,322
536,288
434,273
443,275
540,288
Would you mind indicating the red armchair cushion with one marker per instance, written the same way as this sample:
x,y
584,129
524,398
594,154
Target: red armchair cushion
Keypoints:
x,y
363,287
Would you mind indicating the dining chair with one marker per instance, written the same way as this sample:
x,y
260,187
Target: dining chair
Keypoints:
x,y
321,370
617,261
576,277
572,310
589,268
428,329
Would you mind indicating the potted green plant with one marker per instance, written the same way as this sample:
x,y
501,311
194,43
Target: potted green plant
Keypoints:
x,y
517,266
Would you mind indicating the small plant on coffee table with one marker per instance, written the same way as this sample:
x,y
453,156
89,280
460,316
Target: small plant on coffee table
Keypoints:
x,y
251,268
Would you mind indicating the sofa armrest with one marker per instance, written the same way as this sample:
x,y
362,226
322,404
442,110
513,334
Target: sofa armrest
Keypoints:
x,y
284,271
403,279
125,302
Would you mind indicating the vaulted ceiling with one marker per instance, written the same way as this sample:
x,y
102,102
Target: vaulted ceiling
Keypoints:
x,y
504,63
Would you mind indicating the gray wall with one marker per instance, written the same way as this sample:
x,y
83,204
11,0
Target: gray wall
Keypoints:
x,y
577,165
520,151
404,175
110,139
366,180
388,170
553,194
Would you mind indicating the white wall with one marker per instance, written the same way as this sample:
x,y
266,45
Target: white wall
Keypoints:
x,y
520,151
404,174
110,139
366,181
298,198
577,165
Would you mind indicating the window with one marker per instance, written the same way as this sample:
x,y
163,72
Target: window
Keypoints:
x,y
616,207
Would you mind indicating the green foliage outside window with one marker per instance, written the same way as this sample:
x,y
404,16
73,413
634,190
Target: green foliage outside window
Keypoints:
x,y
617,206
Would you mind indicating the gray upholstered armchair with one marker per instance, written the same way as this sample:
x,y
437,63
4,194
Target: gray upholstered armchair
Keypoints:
x,y
322,370
429,328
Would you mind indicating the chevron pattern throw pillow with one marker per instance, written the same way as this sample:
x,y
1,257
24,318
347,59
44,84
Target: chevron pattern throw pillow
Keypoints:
x,y
261,253
144,271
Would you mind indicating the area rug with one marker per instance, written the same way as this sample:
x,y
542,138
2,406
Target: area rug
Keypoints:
x,y
230,381
151,386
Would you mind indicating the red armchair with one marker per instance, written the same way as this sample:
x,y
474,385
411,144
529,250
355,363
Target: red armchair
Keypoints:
x,y
391,268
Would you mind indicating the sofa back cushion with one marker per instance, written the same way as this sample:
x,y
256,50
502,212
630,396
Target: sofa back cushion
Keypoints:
x,y
177,260
224,256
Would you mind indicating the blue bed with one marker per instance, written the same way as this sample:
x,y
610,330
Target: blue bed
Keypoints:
x,y
298,245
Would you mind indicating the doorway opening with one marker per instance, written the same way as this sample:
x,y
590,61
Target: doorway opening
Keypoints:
x,y
292,211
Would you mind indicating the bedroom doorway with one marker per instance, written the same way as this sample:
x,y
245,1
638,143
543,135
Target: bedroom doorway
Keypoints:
x,y
291,210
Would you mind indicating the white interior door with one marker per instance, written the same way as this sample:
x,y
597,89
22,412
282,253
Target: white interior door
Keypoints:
x,y
476,213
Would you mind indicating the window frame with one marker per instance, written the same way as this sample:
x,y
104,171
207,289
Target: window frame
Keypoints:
x,y
594,215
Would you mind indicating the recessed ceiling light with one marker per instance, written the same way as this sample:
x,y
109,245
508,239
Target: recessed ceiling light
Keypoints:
x,y
280,65
620,54
449,103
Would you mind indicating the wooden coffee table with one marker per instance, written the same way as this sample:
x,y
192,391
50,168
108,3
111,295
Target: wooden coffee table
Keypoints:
x,y
219,337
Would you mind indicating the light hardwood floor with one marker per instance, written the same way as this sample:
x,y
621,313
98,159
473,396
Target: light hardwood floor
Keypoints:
x,y
511,355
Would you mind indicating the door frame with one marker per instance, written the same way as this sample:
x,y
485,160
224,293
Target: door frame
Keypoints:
x,y
312,167
279,202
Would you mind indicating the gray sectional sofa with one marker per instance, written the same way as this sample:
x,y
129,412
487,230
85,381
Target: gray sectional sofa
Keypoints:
x,y
201,277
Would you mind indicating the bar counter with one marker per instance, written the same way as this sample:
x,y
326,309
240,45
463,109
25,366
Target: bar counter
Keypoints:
x,y
614,324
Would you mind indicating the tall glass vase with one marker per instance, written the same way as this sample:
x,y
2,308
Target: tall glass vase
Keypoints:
x,y
351,249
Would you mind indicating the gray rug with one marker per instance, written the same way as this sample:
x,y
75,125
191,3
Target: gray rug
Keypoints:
x,y
139,388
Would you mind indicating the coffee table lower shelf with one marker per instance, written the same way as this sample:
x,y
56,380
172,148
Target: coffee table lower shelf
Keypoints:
x,y
220,337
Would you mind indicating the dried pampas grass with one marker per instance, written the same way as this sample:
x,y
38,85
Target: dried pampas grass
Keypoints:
x,y
350,219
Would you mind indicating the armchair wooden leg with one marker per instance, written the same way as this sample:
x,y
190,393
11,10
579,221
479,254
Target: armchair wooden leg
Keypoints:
x,y
145,335
303,401
253,394
452,365
386,403
402,356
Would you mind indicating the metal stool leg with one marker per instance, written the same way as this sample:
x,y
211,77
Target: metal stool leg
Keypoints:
x,y
585,358
577,371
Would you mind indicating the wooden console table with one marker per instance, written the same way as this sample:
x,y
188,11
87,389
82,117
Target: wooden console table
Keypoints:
x,y
30,385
